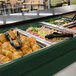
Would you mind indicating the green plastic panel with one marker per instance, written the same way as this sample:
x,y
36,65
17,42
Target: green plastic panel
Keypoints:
x,y
27,74
53,67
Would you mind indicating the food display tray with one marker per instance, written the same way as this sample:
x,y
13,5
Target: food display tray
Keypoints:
x,y
62,25
43,61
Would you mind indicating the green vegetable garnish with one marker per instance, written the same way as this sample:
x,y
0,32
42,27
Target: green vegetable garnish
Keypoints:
x,y
52,21
42,33
35,29
60,22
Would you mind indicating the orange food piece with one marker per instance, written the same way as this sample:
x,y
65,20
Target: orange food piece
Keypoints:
x,y
74,28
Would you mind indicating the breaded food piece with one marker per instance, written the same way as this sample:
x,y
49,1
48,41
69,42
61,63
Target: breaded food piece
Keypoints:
x,y
7,53
34,44
35,47
9,48
24,40
0,43
16,42
32,41
4,58
26,49
12,49
0,50
26,43
15,33
12,35
17,54
6,45
3,38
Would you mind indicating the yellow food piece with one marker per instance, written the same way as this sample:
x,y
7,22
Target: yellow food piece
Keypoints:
x,y
12,35
4,58
17,54
3,38
35,48
32,41
16,42
6,45
0,50
0,44
26,49
15,33
24,40
7,53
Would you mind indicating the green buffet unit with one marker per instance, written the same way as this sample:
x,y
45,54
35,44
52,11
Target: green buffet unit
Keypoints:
x,y
44,62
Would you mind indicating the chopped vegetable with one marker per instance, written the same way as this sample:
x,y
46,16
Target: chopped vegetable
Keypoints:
x,y
59,21
35,29
52,21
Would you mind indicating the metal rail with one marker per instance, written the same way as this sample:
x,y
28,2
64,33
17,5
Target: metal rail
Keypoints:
x,y
51,12
43,41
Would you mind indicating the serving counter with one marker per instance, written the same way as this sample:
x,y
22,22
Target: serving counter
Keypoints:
x,y
44,62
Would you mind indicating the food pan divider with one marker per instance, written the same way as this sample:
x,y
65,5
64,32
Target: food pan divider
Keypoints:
x,y
68,24
55,27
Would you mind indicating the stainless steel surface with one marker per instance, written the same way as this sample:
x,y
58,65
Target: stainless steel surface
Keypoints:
x,y
70,23
16,17
65,9
60,10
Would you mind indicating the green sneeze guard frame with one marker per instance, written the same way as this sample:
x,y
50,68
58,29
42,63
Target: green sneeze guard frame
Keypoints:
x,y
44,62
